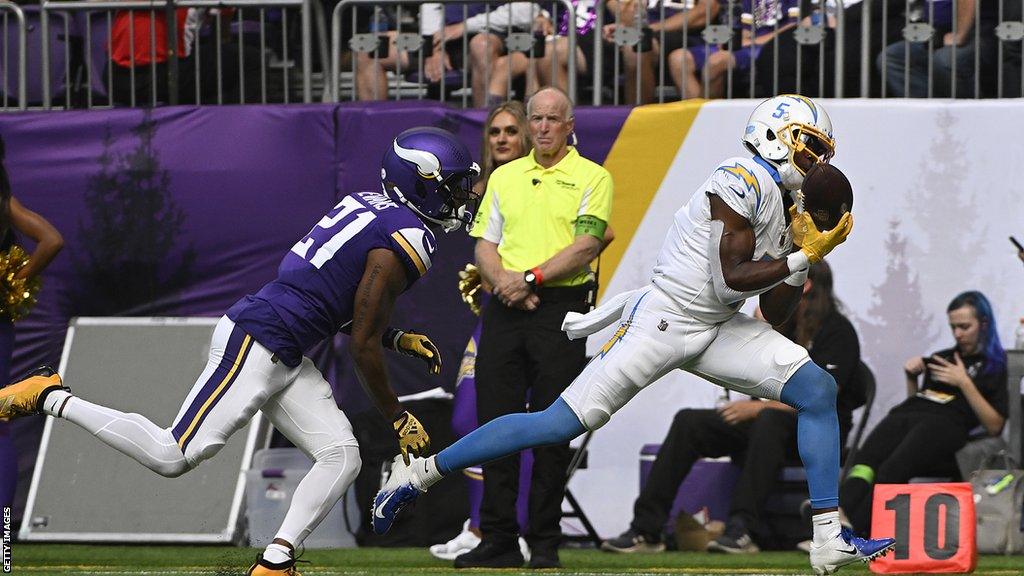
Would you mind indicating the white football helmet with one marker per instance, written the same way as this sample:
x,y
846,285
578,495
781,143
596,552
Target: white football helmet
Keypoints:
x,y
786,125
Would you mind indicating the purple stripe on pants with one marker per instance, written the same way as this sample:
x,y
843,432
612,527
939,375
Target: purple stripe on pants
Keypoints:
x,y
464,421
231,352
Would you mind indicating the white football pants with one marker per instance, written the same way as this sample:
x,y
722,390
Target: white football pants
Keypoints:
x,y
240,378
655,337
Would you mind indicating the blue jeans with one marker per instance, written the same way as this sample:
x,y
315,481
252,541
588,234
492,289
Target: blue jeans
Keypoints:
x,y
895,62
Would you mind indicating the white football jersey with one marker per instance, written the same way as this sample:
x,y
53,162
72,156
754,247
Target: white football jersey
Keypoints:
x,y
683,269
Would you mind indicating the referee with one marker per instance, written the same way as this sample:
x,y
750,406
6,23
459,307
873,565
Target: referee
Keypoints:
x,y
541,222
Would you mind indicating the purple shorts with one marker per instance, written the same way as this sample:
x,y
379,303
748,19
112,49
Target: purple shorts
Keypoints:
x,y
744,56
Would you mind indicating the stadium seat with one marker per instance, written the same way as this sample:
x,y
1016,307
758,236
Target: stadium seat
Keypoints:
x,y
57,42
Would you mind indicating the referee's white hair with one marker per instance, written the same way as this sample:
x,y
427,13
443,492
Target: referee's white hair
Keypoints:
x,y
569,112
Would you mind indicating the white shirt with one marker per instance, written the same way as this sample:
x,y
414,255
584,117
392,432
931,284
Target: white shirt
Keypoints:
x,y
683,270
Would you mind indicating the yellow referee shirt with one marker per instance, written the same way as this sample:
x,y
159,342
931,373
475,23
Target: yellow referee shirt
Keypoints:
x,y
530,211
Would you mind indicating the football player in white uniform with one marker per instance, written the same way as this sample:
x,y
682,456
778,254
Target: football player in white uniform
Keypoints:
x,y
742,234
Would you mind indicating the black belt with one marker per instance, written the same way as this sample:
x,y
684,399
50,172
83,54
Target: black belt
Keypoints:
x,y
581,293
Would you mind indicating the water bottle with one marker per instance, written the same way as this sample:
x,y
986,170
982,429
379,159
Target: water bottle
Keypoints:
x,y
1019,336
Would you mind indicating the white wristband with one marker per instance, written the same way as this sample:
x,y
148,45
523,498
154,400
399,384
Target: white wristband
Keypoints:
x,y
797,278
797,261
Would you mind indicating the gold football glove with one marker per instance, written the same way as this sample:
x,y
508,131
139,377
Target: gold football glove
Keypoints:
x,y
814,243
469,287
415,345
412,438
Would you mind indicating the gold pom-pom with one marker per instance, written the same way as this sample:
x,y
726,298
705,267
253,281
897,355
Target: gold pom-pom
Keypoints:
x,y
17,295
469,287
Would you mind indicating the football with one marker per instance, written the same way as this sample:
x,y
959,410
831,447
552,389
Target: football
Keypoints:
x,y
827,195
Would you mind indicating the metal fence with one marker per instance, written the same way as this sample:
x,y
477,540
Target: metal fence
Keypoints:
x,y
89,54
99,54
175,79
508,37
9,8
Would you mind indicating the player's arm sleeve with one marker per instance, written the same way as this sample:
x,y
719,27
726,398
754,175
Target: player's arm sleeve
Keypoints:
x,y
595,207
413,249
488,222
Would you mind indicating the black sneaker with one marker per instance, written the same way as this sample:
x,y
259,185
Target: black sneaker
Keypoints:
x,y
490,554
541,559
736,540
631,541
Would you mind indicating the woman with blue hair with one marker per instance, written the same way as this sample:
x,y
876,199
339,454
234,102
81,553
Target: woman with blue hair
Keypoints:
x,y
964,388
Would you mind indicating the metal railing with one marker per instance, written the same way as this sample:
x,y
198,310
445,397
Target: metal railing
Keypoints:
x,y
412,43
168,10
723,31
11,8
872,48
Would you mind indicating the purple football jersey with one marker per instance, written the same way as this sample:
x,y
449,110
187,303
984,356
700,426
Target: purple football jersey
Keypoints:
x,y
314,294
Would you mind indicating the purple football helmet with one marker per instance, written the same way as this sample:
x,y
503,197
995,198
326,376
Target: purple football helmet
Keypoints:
x,y
432,173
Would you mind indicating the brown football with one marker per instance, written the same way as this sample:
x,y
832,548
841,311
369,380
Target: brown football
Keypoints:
x,y
827,195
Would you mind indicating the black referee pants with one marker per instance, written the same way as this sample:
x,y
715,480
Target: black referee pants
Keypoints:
x,y
525,357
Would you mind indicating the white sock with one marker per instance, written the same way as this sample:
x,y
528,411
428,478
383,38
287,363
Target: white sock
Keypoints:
x,y
318,492
131,434
54,402
826,527
277,554
425,473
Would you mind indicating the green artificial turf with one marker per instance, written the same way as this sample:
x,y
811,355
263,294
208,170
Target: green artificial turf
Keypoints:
x,y
54,559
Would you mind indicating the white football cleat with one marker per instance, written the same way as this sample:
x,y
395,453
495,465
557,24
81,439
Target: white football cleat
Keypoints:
x,y
457,546
846,548
394,495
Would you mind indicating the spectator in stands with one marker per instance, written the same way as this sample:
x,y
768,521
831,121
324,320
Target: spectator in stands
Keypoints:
x,y
17,221
646,19
963,387
759,23
1011,55
451,26
135,79
763,432
776,67
546,65
958,41
141,69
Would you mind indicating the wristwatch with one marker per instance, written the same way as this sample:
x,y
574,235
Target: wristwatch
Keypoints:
x,y
531,279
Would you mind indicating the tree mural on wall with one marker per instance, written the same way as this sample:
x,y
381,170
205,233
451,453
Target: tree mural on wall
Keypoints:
x,y
131,258
897,324
944,207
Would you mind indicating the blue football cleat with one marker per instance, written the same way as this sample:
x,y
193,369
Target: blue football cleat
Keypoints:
x,y
846,548
396,493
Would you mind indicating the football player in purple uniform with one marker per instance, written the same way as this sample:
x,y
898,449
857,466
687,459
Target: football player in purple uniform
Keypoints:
x,y
344,275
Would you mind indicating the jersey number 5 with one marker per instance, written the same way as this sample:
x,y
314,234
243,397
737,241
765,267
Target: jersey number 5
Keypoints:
x,y
332,240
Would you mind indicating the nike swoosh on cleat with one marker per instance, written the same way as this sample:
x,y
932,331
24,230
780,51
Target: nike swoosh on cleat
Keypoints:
x,y
852,551
380,507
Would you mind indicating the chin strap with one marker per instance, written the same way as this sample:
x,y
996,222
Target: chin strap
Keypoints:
x,y
448,225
